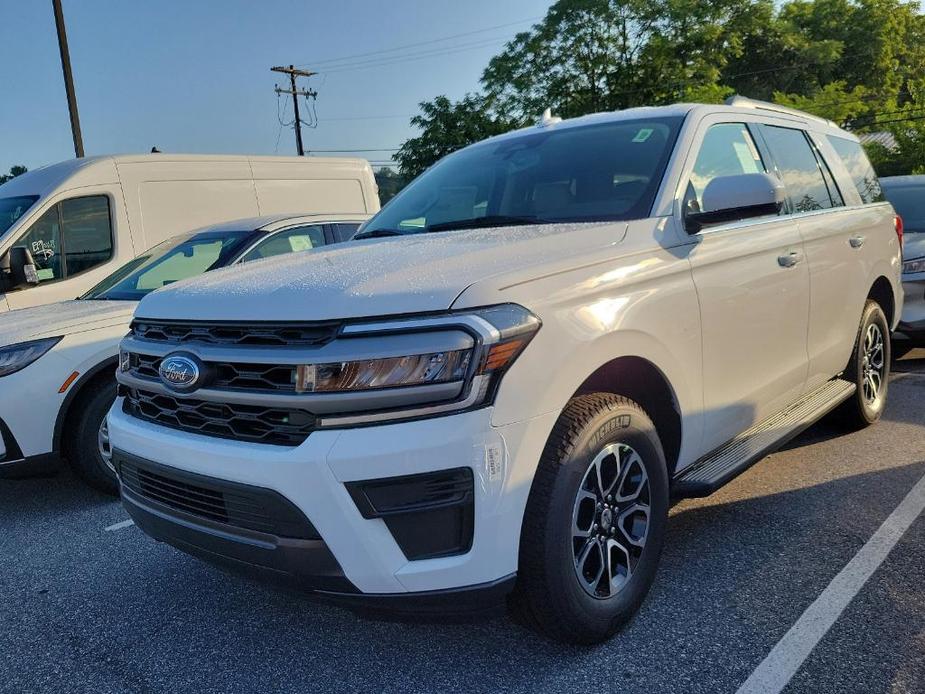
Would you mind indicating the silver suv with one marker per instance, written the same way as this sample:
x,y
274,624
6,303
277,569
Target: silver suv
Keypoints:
x,y
540,341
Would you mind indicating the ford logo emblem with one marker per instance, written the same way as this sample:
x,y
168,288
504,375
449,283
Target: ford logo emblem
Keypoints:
x,y
180,372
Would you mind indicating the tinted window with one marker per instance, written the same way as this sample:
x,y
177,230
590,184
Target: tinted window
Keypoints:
x,y
909,202
344,231
43,241
174,260
12,209
798,168
859,168
727,150
87,233
289,241
73,236
581,173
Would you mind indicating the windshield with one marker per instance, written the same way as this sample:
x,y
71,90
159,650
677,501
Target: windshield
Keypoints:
x,y
13,208
174,260
909,202
607,171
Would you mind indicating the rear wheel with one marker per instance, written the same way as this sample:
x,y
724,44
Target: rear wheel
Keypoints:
x,y
869,369
88,451
595,521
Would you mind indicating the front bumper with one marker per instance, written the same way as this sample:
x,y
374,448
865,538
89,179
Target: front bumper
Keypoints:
x,y
316,478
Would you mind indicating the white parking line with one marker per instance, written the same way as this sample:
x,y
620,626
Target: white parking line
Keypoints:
x,y
785,659
119,526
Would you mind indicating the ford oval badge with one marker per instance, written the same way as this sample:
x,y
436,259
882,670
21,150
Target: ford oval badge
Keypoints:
x,y
180,372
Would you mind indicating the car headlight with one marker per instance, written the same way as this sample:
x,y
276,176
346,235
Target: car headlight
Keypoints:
x,y
17,357
913,266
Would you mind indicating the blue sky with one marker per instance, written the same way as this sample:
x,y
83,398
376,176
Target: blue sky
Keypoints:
x,y
193,76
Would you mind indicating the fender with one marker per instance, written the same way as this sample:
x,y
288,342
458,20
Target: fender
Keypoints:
x,y
75,390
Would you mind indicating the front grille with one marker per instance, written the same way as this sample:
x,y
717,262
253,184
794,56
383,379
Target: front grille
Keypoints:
x,y
241,506
261,377
283,427
254,334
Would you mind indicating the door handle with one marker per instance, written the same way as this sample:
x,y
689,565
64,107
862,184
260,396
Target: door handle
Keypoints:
x,y
789,259
857,241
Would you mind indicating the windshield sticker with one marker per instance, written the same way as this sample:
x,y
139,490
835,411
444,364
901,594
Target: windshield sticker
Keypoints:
x,y
643,135
45,274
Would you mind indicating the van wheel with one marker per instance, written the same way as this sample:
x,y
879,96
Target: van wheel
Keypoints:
x,y
869,370
595,521
89,447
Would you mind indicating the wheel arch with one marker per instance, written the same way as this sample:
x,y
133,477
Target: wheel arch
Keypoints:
x,y
645,383
883,293
64,421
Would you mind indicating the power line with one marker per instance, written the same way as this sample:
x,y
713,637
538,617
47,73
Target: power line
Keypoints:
x,y
368,149
296,93
422,43
433,53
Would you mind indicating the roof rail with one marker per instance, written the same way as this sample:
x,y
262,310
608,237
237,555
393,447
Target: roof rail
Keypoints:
x,y
745,102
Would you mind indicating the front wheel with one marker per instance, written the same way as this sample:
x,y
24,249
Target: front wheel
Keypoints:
x,y
89,452
868,369
595,521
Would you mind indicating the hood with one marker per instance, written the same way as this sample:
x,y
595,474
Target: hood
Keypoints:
x,y
377,277
64,318
914,245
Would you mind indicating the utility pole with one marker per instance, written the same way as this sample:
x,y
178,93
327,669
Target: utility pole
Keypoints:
x,y
296,93
68,79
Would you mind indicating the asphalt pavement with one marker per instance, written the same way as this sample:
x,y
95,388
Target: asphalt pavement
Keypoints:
x,y
84,608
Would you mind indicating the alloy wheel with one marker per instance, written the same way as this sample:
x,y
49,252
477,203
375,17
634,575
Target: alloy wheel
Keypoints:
x,y
873,364
610,520
105,447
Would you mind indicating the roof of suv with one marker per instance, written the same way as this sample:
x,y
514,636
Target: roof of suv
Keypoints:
x,y
735,104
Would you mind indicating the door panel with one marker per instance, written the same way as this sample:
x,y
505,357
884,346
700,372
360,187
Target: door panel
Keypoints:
x,y
752,281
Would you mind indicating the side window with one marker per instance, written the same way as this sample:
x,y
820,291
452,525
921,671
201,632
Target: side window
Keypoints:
x,y
73,236
289,241
727,149
859,168
43,241
799,168
87,233
188,260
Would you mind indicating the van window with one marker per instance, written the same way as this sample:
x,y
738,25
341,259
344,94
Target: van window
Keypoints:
x,y
289,241
11,209
859,168
727,150
799,169
73,236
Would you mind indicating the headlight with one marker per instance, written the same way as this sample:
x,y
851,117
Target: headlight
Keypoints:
x,y
17,357
415,370
913,266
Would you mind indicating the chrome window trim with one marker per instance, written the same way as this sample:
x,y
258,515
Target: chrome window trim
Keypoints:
x,y
759,221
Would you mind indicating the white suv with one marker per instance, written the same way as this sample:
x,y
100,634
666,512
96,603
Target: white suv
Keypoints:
x,y
562,329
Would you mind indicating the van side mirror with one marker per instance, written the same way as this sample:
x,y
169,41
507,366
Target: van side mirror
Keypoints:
x,y
18,267
731,198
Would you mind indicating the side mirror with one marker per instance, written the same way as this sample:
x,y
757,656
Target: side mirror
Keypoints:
x,y
19,268
731,198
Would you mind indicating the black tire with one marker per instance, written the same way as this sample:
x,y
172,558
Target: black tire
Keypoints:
x,y
83,447
860,410
549,595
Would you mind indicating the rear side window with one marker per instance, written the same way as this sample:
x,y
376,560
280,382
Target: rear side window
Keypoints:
x,y
289,241
344,231
800,170
859,167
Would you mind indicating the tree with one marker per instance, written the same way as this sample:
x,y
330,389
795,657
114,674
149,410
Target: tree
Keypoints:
x,y
389,182
445,127
14,172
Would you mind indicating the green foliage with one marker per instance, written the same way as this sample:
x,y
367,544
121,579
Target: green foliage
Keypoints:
x,y
860,63
389,182
445,127
14,172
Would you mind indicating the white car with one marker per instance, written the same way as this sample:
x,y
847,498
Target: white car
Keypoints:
x,y
907,195
561,328
57,362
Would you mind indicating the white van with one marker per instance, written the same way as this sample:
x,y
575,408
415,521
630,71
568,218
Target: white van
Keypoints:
x,y
65,227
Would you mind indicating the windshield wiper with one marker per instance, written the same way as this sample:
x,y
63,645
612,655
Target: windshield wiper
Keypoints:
x,y
498,220
377,233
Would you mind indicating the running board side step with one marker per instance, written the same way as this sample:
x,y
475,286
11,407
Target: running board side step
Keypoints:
x,y
734,457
